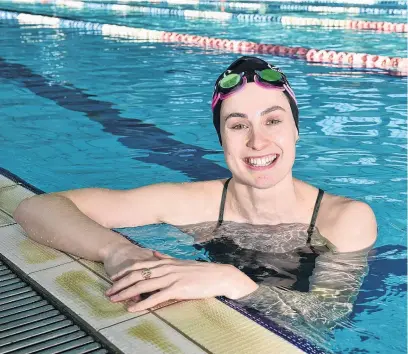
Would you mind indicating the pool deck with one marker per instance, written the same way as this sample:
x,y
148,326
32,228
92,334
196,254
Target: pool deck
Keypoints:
x,y
197,326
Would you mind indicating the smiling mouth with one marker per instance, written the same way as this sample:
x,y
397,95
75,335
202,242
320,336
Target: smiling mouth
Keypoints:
x,y
261,161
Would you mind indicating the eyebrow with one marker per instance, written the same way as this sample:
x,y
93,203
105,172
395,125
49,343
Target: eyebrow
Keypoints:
x,y
264,112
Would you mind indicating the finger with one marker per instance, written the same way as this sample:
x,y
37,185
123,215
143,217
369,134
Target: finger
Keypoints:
x,y
124,282
141,265
144,286
136,298
153,300
134,277
161,255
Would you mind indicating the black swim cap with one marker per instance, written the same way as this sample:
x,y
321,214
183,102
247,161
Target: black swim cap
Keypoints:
x,y
250,64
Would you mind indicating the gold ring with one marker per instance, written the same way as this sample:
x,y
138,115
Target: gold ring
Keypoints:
x,y
146,273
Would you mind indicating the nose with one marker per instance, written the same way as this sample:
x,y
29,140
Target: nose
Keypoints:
x,y
257,140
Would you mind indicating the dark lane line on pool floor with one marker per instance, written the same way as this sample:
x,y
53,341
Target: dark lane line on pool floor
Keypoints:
x,y
134,133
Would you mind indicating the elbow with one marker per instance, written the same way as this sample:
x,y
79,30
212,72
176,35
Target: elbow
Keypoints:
x,y
28,206
24,208
21,210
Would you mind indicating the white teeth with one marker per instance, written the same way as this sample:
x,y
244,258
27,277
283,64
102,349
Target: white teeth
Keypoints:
x,y
263,161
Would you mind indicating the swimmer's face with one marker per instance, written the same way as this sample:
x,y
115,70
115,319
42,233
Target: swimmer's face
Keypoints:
x,y
258,135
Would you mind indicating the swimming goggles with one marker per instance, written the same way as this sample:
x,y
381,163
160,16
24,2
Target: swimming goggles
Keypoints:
x,y
231,82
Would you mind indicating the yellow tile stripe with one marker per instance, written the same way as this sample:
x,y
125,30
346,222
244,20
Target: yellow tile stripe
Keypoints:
x,y
221,329
11,196
26,254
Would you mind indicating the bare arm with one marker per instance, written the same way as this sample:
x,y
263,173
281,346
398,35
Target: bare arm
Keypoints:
x,y
334,286
56,221
79,221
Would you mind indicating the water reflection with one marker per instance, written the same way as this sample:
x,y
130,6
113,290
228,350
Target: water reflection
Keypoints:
x,y
305,286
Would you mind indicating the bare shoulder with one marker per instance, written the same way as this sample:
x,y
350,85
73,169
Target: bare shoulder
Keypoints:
x,y
200,191
193,202
350,225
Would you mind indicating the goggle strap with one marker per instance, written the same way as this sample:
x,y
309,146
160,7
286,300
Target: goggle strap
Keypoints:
x,y
290,91
215,100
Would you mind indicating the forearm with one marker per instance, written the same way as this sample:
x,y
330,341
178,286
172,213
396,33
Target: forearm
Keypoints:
x,y
338,277
55,221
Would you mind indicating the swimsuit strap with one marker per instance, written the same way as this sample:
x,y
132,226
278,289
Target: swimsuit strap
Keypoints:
x,y
312,222
314,216
222,206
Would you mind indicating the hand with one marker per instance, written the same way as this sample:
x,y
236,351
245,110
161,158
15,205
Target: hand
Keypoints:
x,y
123,256
175,279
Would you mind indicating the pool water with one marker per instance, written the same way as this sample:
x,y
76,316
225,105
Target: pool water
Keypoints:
x,y
83,110
362,41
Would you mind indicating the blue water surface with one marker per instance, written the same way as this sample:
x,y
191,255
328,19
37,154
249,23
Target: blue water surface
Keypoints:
x,y
362,41
83,110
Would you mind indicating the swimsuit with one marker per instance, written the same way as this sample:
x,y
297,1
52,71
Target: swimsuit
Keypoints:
x,y
257,249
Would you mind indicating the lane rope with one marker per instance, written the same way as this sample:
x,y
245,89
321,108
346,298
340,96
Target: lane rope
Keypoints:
x,y
392,65
401,4
231,5
293,6
264,7
386,27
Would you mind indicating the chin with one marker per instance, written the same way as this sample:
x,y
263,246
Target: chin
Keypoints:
x,y
258,182
264,182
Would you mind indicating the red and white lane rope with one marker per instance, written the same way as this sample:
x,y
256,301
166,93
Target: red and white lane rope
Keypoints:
x,y
379,26
360,3
348,59
342,10
394,65
387,27
264,6
390,3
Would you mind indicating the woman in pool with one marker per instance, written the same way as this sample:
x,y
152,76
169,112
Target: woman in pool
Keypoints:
x,y
276,232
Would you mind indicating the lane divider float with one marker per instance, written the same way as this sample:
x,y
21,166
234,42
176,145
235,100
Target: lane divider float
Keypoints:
x,y
359,3
338,9
387,27
266,6
393,65
232,5
364,3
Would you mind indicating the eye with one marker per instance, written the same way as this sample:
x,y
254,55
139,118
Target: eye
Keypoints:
x,y
272,121
238,126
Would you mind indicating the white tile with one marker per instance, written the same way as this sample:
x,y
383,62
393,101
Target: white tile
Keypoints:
x,y
5,219
221,329
148,334
28,255
96,267
83,292
5,182
10,197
